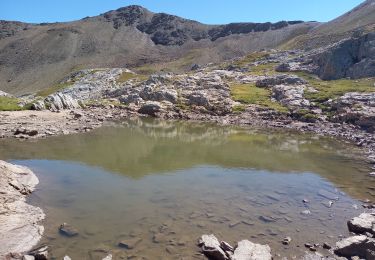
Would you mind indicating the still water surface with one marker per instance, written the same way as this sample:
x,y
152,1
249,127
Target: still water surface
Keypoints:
x,y
167,183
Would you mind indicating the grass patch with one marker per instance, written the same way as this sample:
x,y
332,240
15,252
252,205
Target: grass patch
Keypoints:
x,y
48,91
263,69
334,88
250,94
254,56
239,109
125,76
182,64
9,104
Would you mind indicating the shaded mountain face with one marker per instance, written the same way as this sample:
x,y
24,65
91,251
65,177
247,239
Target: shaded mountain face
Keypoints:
x,y
165,29
38,56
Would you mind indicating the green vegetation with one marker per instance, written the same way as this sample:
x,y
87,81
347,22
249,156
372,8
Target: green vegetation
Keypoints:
x,y
305,115
239,108
48,91
250,94
125,76
263,69
254,56
179,65
334,88
9,104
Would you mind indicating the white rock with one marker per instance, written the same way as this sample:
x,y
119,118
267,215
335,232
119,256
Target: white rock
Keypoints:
x,y
247,250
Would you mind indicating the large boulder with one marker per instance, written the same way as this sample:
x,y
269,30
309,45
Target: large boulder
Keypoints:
x,y
159,94
247,250
290,95
38,105
59,101
150,108
362,224
361,246
198,99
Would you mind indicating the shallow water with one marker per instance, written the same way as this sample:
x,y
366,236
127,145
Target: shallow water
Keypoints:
x,y
167,183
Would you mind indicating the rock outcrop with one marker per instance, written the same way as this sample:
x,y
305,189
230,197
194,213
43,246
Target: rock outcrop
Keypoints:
x,y
19,222
4,94
354,58
356,108
59,101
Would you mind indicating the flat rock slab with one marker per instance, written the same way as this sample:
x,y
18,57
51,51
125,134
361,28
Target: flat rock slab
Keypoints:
x,y
247,250
328,195
19,222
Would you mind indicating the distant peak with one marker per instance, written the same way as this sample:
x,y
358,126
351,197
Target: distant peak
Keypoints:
x,y
128,15
132,8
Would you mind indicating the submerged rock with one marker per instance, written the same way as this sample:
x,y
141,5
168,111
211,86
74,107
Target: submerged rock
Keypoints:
x,y
130,243
68,230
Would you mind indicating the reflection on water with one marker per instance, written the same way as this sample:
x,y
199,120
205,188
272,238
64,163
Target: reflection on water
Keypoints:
x,y
166,183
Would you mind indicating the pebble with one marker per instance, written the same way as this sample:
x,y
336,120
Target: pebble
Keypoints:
x,y
287,240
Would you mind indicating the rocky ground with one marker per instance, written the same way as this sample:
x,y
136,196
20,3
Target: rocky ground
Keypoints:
x,y
359,246
20,230
271,89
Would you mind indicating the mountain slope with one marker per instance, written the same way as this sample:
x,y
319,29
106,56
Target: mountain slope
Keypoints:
x,y
37,56
357,22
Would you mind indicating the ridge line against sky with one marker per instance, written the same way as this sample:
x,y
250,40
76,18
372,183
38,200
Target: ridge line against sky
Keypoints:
x,y
205,11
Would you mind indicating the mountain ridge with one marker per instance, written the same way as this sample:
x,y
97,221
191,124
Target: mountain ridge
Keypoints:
x,y
36,56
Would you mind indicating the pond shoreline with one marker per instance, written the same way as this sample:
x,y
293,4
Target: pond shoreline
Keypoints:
x,y
85,120
42,124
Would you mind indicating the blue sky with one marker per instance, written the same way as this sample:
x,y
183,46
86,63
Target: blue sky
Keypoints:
x,y
206,11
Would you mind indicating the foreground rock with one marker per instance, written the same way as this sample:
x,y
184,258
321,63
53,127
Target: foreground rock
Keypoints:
x,y
211,248
245,250
362,224
361,246
19,228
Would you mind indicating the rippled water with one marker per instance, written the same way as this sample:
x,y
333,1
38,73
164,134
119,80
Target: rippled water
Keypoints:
x,y
167,183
